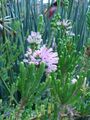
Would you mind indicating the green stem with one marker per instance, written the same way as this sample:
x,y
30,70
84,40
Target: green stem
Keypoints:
x,y
2,11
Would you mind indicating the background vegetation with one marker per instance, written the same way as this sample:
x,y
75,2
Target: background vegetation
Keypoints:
x,y
22,94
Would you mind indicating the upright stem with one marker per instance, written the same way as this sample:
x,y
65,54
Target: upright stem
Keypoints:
x,y
21,107
2,11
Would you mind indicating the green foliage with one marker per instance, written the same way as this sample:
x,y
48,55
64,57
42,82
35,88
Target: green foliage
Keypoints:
x,y
58,95
41,24
54,21
67,70
29,80
9,55
71,67
84,101
88,19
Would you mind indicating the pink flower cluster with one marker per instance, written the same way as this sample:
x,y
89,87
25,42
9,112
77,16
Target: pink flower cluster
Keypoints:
x,y
35,37
45,55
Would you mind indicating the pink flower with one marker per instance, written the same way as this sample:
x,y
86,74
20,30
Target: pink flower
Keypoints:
x,y
66,25
73,81
47,56
35,37
27,56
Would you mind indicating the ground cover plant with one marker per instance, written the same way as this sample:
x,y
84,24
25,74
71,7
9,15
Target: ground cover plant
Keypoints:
x,y
44,60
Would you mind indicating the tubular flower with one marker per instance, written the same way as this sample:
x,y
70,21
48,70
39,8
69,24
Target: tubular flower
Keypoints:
x,y
47,56
35,37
